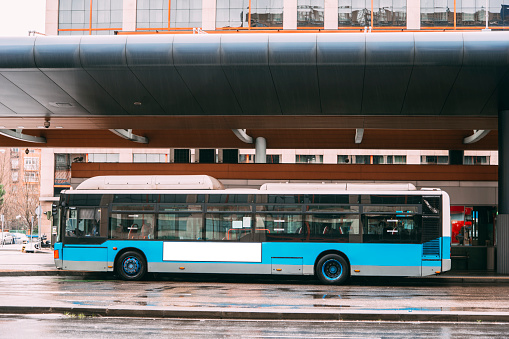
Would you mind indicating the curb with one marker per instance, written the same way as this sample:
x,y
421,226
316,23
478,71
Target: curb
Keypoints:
x,y
406,316
436,280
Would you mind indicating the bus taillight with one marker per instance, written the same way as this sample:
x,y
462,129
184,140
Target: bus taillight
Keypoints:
x,y
55,254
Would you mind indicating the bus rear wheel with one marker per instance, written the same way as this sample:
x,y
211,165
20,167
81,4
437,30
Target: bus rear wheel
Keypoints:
x,y
131,266
332,269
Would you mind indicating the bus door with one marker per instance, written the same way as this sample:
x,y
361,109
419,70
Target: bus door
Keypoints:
x,y
82,241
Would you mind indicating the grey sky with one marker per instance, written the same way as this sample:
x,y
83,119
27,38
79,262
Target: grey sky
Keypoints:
x,y
17,17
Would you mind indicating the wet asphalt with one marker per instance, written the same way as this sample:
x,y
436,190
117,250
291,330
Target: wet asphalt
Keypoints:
x,y
30,284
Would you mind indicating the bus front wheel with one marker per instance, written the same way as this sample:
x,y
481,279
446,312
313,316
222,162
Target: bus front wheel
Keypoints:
x,y
131,266
332,269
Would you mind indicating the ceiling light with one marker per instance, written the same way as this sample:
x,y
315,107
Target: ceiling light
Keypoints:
x,y
137,103
61,104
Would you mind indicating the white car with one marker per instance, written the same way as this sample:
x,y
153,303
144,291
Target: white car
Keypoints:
x,y
6,238
20,238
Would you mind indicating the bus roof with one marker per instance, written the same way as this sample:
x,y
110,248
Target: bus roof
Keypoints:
x,y
205,182
152,182
338,187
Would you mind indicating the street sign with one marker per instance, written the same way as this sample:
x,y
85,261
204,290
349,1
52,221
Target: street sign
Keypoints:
x,y
38,211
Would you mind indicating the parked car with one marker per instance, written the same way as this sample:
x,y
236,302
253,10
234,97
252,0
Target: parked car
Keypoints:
x,y
20,238
6,238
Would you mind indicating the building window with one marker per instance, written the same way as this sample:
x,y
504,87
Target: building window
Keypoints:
x,y
469,13
344,159
182,156
396,159
31,177
476,160
151,14
310,13
103,157
149,157
31,164
15,176
434,159
232,13
246,158
272,158
386,13
15,163
266,13
74,17
308,159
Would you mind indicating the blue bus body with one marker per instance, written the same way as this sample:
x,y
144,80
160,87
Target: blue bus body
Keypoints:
x,y
276,250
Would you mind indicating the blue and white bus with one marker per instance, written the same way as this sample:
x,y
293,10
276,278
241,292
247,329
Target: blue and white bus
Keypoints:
x,y
132,225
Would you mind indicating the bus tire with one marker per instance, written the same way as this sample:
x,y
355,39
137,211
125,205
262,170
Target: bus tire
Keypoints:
x,y
131,265
332,269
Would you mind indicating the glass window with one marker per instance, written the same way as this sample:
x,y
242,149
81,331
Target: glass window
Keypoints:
x,y
344,159
133,207
391,229
391,209
310,13
168,208
75,14
231,198
246,158
103,157
434,159
132,226
232,13
362,159
333,227
280,227
476,160
149,157
182,226
272,159
391,199
182,198
266,13
83,222
226,226
31,164
309,159
135,198
332,208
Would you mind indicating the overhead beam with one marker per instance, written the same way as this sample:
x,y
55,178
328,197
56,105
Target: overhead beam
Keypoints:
x,y
128,134
359,134
17,135
243,136
478,135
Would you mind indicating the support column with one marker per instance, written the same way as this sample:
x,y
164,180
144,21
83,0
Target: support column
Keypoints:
x,y
261,150
503,194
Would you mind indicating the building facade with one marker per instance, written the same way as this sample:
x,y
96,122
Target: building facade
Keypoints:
x,y
105,17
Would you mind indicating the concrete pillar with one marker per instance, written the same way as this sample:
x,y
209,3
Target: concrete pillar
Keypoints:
x,y
330,20
129,15
51,25
413,14
290,14
208,15
503,193
261,150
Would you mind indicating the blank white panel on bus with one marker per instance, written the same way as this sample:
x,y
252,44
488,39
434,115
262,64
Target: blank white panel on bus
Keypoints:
x,y
212,252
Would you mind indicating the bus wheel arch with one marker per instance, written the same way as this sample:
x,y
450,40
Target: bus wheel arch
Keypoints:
x,y
131,264
332,267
